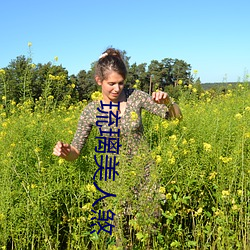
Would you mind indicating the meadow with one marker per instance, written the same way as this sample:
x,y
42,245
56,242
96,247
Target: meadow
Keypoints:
x,y
202,166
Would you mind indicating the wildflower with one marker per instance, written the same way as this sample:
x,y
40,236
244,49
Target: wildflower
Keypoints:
x,y
51,77
194,90
195,71
207,147
133,116
168,196
171,160
50,97
172,182
198,212
238,116
175,122
2,217
13,103
225,193
191,140
212,175
247,108
158,159
162,190
247,135
3,97
96,96
180,82
156,127
190,86
133,173
137,81
135,86
2,72
33,66
61,161
56,58
29,44
173,137
87,207
33,186
37,149
235,207
72,85
225,159
91,188
239,192
164,124
184,141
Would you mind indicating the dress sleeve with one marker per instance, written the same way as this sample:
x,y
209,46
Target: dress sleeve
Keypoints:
x,y
151,106
84,127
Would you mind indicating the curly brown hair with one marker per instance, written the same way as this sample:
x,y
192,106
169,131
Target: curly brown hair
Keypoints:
x,y
110,60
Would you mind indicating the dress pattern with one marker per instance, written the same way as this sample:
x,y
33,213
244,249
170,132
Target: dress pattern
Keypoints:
x,y
131,127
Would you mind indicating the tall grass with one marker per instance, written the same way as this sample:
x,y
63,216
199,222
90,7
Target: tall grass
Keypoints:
x,y
202,168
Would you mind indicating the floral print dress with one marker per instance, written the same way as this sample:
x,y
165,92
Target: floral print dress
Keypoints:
x,y
130,123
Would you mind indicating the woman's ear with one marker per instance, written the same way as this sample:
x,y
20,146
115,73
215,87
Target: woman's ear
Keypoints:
x,y
98,80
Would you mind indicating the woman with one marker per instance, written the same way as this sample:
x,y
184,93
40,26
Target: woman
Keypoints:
x,y
110,74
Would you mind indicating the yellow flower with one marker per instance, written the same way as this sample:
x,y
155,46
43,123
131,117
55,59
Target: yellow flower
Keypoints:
x,y
173,137
212,175
37,149
137,81
29,44
247,108
56,58
96,96
225,193
91,188
239,192
164,124
3,97
2,72
2,217
73,85
198,212
133,116
135,86
207,147
87,207
194,90
225,159
168,196
235,207
190,86
238,116
156,127
158,159
33,186
180,82
171,160
162,190
195,71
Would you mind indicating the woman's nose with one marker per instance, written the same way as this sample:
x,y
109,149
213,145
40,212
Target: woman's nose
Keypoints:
x,y
116,87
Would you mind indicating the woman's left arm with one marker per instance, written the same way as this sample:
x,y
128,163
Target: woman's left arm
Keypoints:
x,y
163,98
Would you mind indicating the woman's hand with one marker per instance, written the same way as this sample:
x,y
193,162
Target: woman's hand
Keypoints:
x,y
161,97
65,151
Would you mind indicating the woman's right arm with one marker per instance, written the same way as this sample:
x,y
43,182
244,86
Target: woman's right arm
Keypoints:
x,y
70,152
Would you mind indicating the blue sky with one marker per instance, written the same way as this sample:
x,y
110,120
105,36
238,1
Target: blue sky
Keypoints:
x,y
212,36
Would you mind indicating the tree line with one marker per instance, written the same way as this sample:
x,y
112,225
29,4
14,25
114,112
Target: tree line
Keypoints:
x,y
22,79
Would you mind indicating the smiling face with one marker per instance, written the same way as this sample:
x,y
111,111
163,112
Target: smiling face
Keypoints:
x,y
112,86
